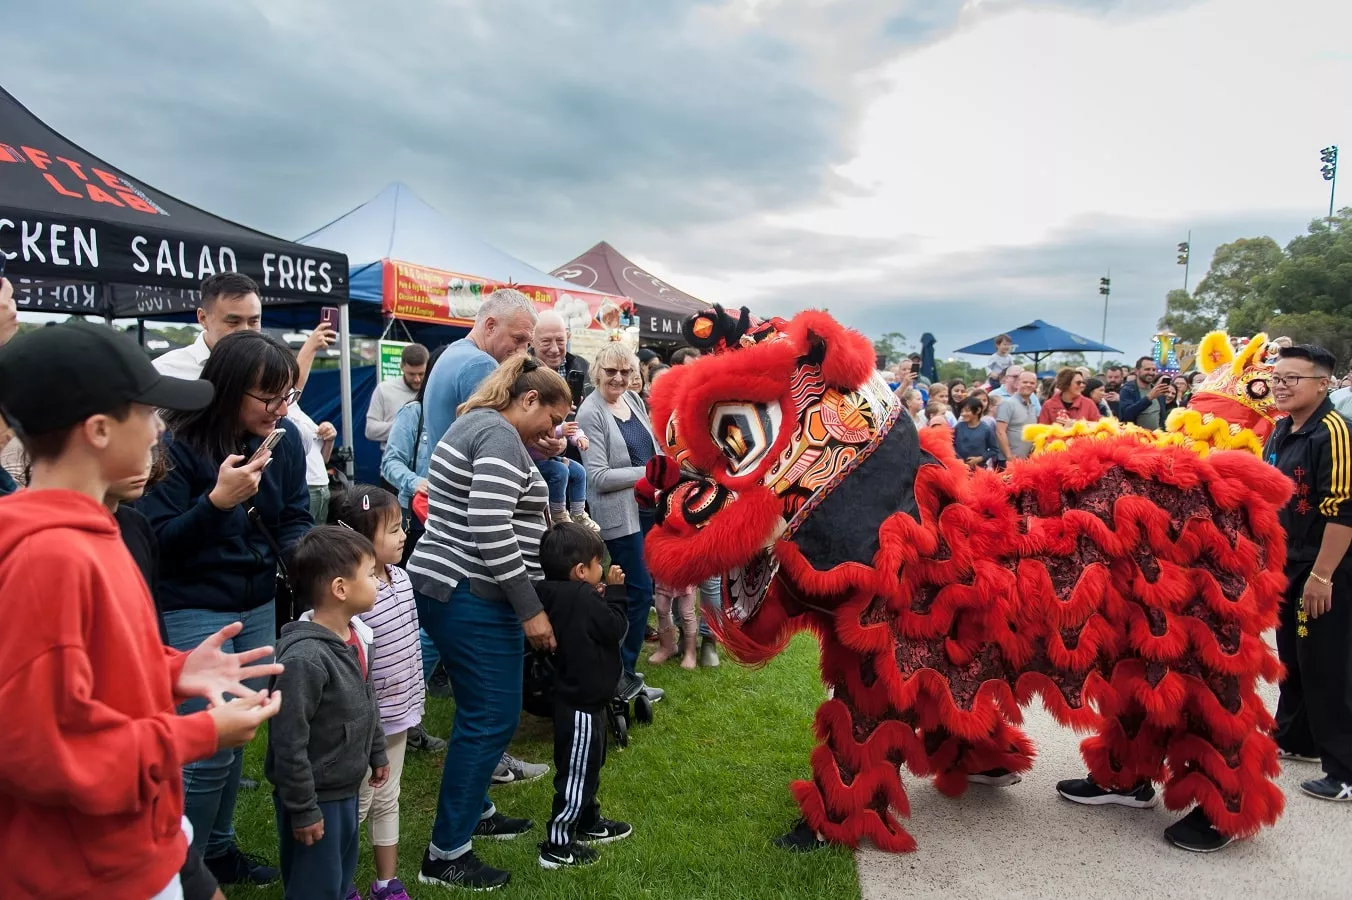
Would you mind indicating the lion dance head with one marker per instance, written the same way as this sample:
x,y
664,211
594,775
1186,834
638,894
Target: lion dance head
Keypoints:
x,y
760,437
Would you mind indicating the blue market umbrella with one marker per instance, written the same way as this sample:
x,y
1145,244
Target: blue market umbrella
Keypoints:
x,y
927,367
1038,339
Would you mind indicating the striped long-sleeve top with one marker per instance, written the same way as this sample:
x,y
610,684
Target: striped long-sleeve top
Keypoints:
x,y
486,515
396,658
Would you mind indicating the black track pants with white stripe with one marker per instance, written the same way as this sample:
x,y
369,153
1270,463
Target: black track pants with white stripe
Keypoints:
x,y
579,753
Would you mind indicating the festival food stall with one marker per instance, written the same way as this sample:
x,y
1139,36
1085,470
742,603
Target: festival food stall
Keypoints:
x,y
415,275
81,237
422,269
661,309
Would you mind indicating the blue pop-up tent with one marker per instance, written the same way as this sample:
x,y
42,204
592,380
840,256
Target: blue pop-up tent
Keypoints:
x,y
397,224
1038,339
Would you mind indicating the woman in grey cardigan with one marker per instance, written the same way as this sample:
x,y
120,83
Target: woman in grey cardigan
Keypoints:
x,y
621,443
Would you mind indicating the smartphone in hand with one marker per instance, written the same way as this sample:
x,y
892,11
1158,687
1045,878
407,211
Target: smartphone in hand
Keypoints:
x,y
329,316
576,385
272,440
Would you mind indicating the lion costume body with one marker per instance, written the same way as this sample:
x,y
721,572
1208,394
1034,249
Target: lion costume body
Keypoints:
x,y
1127,585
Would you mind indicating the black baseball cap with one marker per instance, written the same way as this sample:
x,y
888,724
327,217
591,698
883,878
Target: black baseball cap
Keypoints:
x,y
53,377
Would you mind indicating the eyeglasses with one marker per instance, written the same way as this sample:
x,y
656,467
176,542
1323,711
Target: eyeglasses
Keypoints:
x,y
272,404
1293,381
611,373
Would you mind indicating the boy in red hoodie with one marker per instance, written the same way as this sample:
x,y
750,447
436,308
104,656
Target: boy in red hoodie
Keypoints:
x,y
91,788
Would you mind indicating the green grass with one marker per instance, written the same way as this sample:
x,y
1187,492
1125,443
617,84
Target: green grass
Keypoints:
x,y
706,786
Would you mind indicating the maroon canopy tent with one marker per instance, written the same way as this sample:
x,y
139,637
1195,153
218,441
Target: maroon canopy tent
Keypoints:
x,y
661,308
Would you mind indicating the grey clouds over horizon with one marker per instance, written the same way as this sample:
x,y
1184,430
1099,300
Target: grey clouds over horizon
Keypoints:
x,y
673,130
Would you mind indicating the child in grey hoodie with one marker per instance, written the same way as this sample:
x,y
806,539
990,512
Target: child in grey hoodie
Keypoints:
x,y
328,735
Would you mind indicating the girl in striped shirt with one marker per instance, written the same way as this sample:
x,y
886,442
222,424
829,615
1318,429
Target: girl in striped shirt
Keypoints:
x,y
396,669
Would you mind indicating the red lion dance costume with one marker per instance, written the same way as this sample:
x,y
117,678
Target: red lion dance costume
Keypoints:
x,y
1128,585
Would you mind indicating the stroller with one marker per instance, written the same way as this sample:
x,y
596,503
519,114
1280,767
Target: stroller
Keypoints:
x,y
537,698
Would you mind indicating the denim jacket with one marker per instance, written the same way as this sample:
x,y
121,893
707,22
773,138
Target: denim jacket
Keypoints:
x,y
407,453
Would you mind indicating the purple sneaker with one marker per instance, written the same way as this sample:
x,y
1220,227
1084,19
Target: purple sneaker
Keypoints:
x,y
353,894
393,891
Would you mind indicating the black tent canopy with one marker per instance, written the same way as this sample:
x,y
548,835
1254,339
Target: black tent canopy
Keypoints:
x,y
81,236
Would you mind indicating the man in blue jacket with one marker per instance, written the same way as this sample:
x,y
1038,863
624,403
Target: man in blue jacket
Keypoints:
x,y
1141,402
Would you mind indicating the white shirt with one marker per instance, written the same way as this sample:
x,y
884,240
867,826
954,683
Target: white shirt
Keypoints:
x,y
185,362
389,397
316,472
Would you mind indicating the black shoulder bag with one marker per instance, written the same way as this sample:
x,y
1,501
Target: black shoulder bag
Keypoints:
x,y
286,606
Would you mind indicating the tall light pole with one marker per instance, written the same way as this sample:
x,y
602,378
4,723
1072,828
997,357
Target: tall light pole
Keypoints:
x,y
1105,288
1329,157
1184,257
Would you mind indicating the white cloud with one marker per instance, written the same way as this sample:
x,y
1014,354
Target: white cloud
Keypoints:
x,y
1023,124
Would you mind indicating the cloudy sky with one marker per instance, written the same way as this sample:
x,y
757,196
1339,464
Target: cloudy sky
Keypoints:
x,y
915,165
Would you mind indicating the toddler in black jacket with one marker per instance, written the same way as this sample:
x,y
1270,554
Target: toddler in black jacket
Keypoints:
x,y
589,622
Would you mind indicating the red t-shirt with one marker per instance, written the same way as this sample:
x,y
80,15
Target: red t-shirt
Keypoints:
x,y
1082,408
354,641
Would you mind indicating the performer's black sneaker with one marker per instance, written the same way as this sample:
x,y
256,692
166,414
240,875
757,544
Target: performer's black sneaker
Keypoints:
x,y
995,778
1328,788
575,854
1289,756
604,831
467,871
802,839
1194,832
502,828
1083,790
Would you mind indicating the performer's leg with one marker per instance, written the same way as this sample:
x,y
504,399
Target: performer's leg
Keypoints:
x,y
1293,732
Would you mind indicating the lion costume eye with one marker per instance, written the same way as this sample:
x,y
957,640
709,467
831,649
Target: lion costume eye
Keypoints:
x,y
744,432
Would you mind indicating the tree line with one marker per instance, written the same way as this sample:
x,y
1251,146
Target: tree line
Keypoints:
x,y
1303,291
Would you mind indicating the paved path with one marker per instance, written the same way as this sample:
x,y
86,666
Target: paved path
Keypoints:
x,y
1026,843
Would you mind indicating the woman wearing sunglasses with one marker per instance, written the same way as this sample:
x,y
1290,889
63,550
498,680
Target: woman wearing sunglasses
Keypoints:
x,y
221,515
1068,402
620,444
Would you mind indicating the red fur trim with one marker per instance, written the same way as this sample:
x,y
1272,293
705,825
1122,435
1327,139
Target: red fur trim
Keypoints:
x,y
679,553
848,360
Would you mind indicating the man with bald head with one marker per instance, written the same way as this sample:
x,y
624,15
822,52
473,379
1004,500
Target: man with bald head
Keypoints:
x,y
550,346
1009,388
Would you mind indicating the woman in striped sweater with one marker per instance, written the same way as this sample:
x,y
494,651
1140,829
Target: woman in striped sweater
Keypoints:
x,y
473,570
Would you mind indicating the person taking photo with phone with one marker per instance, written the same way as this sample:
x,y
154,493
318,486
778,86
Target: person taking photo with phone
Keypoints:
x,y
1144,402
225,512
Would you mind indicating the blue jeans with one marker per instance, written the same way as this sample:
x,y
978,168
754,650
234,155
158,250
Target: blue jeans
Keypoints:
x,y
567,480
710,594
430,656
627,553
326,869
484,651
210,785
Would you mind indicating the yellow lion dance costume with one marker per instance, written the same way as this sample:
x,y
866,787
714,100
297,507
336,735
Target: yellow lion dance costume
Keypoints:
x,y
1231,410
